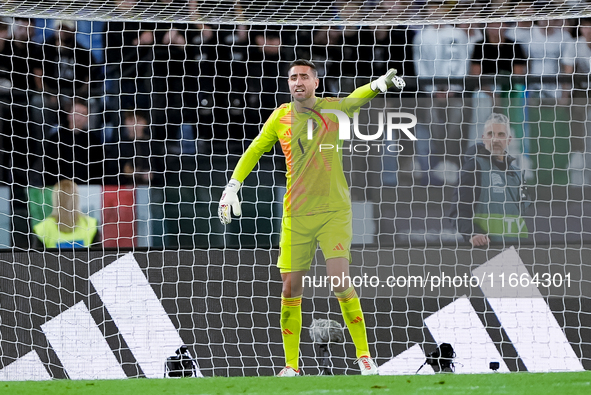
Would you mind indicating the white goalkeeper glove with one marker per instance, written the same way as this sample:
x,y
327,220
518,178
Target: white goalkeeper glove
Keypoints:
x,y
229,201
387,81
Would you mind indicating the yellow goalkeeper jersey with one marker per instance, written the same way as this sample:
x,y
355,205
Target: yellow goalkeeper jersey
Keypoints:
x,y
315,179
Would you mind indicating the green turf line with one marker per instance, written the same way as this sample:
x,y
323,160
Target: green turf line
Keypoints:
x,y
508,383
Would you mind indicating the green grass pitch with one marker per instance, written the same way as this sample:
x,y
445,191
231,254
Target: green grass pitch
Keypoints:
x,y
507,383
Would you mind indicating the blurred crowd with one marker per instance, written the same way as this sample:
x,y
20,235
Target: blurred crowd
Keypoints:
x,y
130,102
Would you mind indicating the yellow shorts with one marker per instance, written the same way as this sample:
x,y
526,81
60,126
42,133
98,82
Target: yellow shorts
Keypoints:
x,y
300,236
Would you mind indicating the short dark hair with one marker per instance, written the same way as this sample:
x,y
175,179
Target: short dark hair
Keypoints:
x,y
304,62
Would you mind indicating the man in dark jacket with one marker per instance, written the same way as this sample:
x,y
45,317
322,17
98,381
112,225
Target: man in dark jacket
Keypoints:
x,y
491,199
73,151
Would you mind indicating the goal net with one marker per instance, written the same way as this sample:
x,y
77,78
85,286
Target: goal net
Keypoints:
x,y
120,125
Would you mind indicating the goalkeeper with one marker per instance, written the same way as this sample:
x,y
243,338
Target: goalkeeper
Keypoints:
x,y
317,204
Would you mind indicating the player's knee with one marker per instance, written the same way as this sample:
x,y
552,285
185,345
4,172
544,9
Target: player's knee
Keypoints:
x,y
292,287
286,291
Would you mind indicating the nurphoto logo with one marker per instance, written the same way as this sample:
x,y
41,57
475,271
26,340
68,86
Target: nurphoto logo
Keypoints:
x,y
345,130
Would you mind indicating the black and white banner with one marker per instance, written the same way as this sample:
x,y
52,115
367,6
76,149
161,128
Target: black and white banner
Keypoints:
x,y
102,315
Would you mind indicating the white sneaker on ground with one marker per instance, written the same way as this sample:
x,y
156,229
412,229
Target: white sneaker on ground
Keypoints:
x,y
368,366
288,371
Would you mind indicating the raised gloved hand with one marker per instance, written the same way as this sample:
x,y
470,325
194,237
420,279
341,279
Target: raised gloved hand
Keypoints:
x,y
229,201
387,81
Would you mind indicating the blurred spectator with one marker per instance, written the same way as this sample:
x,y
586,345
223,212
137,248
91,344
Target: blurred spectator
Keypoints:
x,y
67,227
550,51
20,56
549,48
491,197
387,46
346,64
266,86
20,71
264,71
322,45
440,51
128,160
67,69
382,48
67,65
201,54
173,89
89,34
582,58
335,51
494,54
5,40
129,55
497,54
580,147
229,47
474,32
211,63
172,71
73,151
170,66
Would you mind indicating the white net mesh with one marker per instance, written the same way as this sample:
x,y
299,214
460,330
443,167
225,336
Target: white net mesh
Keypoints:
x,y
149,105
309,12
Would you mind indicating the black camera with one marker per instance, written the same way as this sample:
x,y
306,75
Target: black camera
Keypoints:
x,y
441,359
181,364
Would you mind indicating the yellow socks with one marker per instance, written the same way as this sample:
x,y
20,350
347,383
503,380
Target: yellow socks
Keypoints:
x,y
353,316
291,326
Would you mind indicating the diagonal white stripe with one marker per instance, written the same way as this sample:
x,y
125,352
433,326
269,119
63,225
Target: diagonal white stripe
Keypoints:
x,y
28,367
459,325
80,345
525,316
407,362
137,312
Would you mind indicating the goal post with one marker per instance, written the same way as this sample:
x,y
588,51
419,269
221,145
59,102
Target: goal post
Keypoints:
x,y
300,12
148,105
